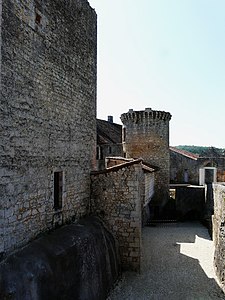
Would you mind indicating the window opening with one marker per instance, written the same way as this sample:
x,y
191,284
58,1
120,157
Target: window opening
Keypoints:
x,y
58,189
186,175
38,19
209,173
124,134
101,153
97,153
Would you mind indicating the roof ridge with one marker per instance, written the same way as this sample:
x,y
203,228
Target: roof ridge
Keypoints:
x,y
185,153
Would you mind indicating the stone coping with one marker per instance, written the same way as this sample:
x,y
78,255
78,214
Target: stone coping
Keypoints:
x,y
146,167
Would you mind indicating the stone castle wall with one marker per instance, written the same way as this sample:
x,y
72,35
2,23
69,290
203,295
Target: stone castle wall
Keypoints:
x,y
146,135
48,114
219,231
117,198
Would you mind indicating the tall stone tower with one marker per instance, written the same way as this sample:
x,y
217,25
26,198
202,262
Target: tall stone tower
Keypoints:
x,y
48,74
146,135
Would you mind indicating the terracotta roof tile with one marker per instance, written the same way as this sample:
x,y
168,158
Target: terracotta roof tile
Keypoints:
x,y
185,153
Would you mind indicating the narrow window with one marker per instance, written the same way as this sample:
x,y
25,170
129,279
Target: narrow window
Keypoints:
x,y
101,153
38,19
186,175
58,189
110,150
124,134
97,153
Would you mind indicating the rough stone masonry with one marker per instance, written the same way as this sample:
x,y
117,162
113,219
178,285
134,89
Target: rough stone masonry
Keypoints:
x,y
146,135
219,231
47,115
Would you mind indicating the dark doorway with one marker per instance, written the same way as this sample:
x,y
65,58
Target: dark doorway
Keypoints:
x,y
209,175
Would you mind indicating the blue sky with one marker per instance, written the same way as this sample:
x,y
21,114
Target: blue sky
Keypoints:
x,y
168,55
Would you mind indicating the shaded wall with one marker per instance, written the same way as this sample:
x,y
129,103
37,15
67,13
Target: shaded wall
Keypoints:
x,y
109,141
117,197
48,114
190,203
219,231
105,150
74,262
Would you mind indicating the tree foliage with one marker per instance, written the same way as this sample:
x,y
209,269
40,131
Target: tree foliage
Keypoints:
x,y
203,150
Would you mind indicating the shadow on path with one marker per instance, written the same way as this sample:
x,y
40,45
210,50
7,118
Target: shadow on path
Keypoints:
x,y
177,264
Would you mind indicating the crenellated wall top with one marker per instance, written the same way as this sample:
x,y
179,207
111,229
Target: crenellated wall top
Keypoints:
x,y
145,115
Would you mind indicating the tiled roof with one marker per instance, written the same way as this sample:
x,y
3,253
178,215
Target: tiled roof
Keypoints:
x,y
185,153
108,133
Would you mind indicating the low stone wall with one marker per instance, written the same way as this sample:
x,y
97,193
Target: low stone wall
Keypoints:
x,y
117,198
219,231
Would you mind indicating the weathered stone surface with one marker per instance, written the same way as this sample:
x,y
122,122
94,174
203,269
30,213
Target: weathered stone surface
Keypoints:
x,y
47,114
117,196
219,231
146,135
74,262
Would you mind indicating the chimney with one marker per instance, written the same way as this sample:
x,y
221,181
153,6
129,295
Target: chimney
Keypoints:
x,y
110,119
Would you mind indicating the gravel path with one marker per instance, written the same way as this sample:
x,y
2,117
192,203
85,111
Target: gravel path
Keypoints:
x,y
177,264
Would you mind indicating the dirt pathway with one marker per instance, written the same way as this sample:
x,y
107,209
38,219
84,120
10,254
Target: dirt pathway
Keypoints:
x,y
177,264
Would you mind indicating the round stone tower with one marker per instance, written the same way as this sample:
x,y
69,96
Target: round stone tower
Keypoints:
x,y
146,135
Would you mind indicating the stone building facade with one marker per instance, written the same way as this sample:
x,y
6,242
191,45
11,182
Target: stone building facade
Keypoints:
x,y
48,115
185,167
146,135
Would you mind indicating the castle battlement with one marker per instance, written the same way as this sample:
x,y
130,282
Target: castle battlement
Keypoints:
x,y
145,116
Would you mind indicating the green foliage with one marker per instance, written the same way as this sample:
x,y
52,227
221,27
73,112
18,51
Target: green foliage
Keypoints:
x,y
203,151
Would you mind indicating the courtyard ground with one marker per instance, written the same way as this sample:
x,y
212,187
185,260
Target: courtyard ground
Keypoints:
x,y
177,264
